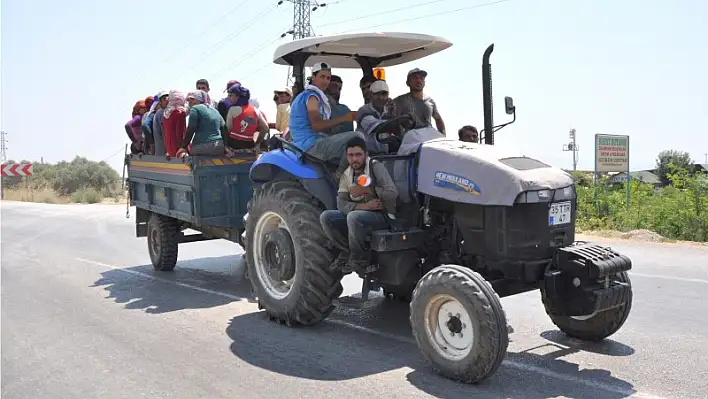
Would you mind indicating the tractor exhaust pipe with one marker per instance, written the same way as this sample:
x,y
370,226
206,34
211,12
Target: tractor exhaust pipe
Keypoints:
x,y
487,96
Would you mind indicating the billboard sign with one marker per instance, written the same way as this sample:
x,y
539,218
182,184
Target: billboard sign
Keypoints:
x,y
611,153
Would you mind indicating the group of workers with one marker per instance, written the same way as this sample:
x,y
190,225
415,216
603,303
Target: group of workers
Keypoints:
x,y
313,120
174,124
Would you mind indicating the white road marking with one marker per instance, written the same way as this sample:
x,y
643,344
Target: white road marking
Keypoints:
x,y
658,276
509,363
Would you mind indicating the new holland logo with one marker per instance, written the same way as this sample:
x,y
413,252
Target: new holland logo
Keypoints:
x,y
455,182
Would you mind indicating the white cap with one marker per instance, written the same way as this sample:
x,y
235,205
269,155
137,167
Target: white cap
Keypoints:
x,y
378,86
162,93
319,66
283,90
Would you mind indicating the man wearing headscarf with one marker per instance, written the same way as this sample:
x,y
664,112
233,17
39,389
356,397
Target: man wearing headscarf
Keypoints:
x,y
162,101
146,126
133,127
206,127
244,120
224,104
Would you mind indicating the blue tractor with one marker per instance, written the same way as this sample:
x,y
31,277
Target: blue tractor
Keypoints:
x,y
475,223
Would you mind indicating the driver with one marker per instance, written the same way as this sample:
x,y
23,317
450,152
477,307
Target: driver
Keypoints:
x,y
417,103
359,209
310,114
371,116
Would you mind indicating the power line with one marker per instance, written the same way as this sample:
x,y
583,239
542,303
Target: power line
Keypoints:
x,y
247,56
428,15
384,12
209,27
233,35
122,149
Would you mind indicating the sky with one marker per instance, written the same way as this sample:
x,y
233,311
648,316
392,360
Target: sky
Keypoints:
x,y
71,70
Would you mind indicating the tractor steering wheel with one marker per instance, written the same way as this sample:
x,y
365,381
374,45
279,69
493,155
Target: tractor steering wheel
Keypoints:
x,y
401,123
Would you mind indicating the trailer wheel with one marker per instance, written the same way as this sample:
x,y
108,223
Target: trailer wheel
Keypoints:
x,y
289,256
459,324
597,326
163,240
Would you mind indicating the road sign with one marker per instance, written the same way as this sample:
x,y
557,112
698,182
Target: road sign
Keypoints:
x,y
611,153
16,169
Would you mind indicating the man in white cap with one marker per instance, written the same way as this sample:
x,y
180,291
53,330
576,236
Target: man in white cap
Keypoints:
x,y
310,115
373,114
422,107
282,98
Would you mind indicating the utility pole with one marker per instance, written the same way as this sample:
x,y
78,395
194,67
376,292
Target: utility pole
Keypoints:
x,y
3,145
302,28
3,154
572,146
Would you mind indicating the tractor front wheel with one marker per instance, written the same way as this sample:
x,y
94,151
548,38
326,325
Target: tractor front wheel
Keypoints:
x,y
459,324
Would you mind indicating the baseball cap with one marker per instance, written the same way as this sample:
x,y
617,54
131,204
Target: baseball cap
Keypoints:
x,y
416,71
319,66
231,83
283,90
378,86
162,93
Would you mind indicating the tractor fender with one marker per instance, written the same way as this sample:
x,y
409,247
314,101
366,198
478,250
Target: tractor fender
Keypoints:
x,y
286,165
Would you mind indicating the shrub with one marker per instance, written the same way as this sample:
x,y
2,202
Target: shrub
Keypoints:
x,y
678,211
80,180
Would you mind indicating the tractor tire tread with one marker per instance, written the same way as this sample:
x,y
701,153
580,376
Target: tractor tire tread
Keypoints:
x,y
320,286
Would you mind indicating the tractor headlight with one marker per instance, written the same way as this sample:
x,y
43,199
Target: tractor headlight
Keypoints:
x,y
560,194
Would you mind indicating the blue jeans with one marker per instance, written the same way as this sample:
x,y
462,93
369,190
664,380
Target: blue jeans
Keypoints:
x,y
350,232
333,149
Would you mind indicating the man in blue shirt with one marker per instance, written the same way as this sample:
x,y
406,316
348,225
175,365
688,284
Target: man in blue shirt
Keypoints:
x,y
311,117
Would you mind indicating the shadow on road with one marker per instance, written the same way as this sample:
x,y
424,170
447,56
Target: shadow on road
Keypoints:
x,y
608,347
330,352
140,287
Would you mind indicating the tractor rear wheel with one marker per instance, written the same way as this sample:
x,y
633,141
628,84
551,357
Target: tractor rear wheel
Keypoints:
x,y
163,241
289,256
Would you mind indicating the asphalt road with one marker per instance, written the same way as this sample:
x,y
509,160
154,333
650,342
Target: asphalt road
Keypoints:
x,y
84,316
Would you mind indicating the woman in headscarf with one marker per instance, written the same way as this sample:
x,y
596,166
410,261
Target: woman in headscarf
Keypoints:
x,y
149,146
206,129
174,122
133,127
244,120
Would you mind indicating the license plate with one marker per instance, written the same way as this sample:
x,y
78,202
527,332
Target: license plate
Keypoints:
x,y
559,213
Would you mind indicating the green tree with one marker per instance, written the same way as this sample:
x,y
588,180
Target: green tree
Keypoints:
x,y
679,159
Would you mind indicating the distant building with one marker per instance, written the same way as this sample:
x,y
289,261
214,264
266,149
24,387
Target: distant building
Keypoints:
x,y
644,176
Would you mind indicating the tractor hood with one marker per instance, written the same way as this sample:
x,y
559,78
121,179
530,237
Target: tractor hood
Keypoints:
x,y
482,174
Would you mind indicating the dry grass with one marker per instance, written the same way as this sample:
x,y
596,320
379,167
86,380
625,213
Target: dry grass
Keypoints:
x,y
48,196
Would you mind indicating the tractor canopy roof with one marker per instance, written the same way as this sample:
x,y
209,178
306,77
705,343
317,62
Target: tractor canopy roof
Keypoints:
x,y
383,49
